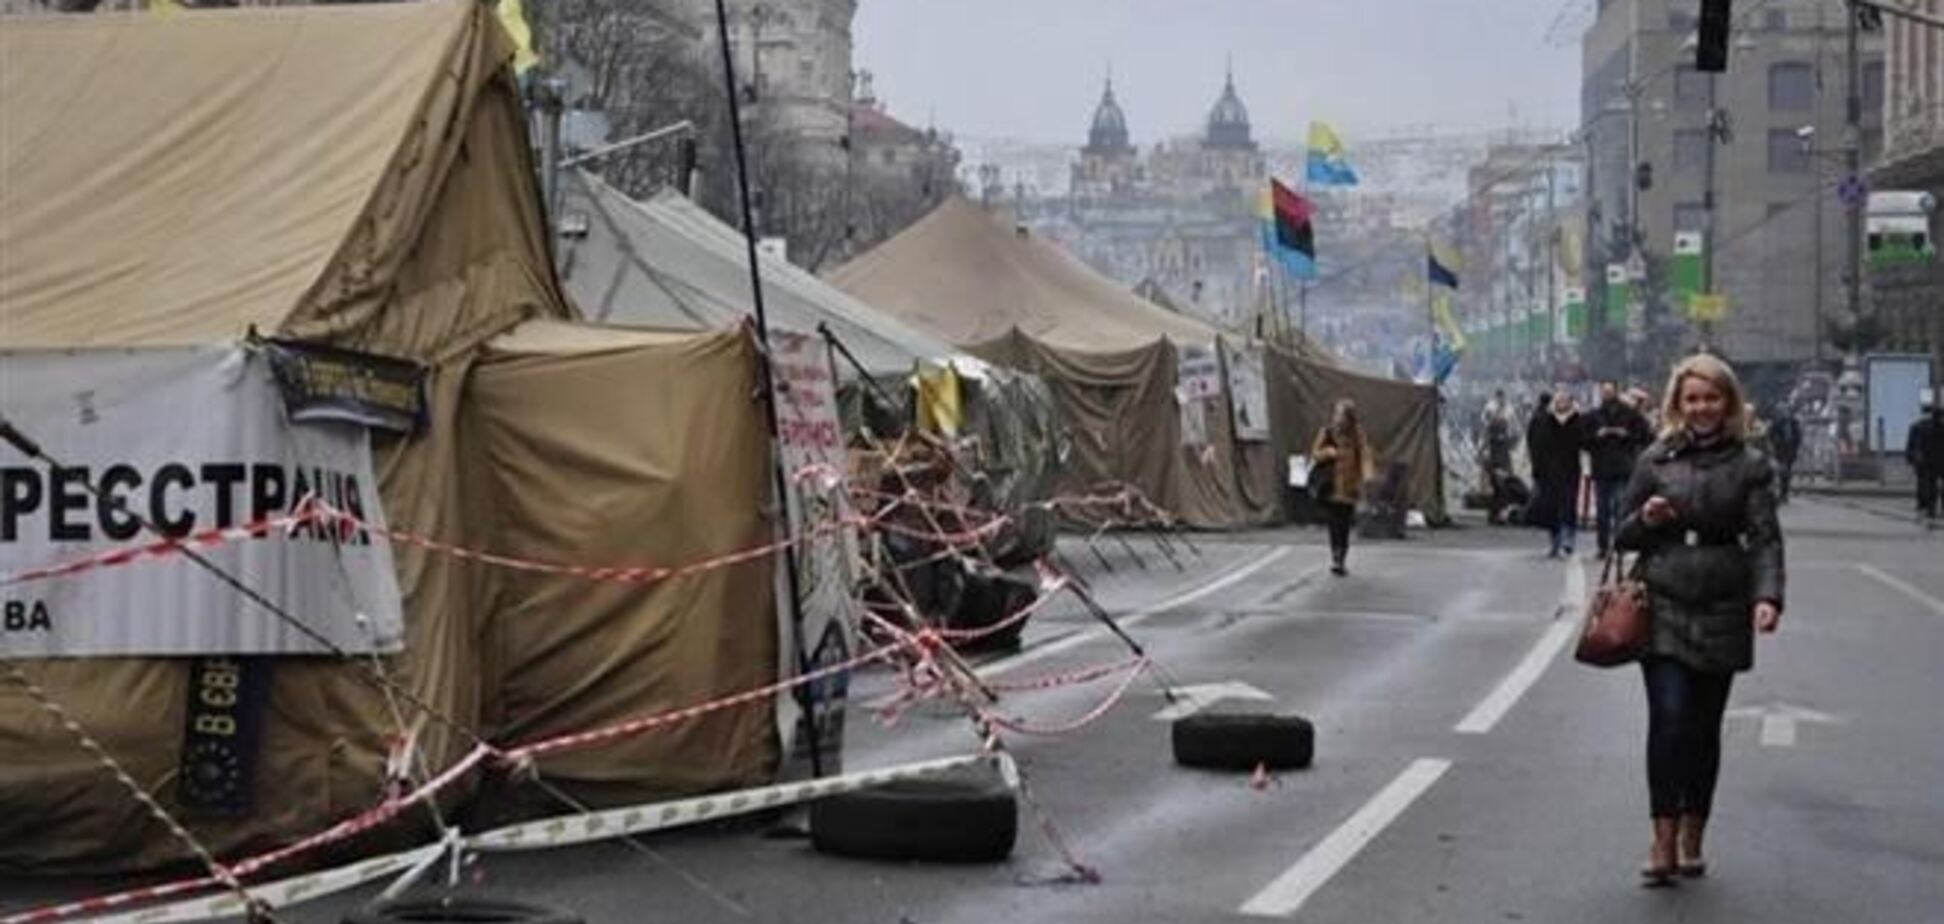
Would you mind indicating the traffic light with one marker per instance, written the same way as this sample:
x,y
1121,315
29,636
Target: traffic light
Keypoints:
x,y
1711,54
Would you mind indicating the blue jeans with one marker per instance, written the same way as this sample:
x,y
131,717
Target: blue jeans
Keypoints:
x,y
1607,492
1684,710
1564,530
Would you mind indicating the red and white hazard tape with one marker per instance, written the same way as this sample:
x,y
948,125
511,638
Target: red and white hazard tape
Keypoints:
x,y
1020,726
561,831
280,894
620,730
1068,679
350,827
167,548
640,819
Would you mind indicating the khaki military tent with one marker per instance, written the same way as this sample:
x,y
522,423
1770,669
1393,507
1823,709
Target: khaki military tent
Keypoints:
x,y
1112,358
358,176
667,262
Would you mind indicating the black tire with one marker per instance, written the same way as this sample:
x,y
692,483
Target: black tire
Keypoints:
x,y
1216,741
432,908
989,599
943,820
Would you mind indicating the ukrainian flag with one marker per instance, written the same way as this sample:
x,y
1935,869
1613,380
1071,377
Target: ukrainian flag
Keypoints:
x,y
1328,166
1442,266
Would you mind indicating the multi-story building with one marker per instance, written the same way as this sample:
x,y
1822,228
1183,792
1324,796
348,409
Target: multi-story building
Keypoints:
x,y
1519,235
1180,215
1777,230
1910,298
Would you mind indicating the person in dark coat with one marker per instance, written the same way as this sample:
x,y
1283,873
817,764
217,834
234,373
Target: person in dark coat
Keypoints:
x,y
1535,507
1924,449
1700,510
1498,459
1785,434
1555,440
1619,436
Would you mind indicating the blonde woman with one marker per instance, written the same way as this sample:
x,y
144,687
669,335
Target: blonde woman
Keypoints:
x,y
1343,447
1700,510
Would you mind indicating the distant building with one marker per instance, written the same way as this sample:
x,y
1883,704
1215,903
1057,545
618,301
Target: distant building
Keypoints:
x,y
1910,299
1777,230
1180,215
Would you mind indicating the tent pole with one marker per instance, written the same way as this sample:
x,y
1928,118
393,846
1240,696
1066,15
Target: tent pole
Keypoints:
x,y
769,375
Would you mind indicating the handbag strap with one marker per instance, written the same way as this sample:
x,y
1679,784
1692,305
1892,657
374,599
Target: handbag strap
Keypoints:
x,y
1614,567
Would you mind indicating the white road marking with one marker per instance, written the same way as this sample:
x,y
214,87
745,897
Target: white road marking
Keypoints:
x,y
1901,586
1779,722
1486,715
1192,699
1283,897
1184,598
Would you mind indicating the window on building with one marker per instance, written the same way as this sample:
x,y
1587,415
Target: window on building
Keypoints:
x,y
1872,145
1785,152
1691,89
1792,87
1776,20
1690,216
1872,87
1690,151
889,156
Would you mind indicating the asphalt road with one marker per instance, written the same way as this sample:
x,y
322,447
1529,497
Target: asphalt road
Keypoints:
x,y
1467,770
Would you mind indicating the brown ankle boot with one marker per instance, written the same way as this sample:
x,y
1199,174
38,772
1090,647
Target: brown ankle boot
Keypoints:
x,y
1661,865
1688,856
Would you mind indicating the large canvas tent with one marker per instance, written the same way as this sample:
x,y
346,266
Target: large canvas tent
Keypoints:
x,y
667,262
1113,357
359,177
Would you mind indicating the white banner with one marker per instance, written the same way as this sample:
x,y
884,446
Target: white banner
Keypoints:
x,y
196,443
812,452
1199,374
1249,390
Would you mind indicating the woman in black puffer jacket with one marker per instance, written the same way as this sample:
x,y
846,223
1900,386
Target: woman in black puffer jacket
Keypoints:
x,y
1700,510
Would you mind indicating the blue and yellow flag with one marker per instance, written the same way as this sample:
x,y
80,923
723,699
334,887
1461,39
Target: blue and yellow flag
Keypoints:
x,y
1442,265
1328,166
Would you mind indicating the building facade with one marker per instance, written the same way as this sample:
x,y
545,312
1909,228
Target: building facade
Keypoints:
x,y
1773,163
1180,214
1909,299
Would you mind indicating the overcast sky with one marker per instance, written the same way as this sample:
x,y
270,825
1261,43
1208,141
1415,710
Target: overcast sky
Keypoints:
x,y
1032,69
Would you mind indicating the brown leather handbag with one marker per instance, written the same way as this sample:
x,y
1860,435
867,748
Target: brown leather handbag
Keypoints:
x,y
1617,620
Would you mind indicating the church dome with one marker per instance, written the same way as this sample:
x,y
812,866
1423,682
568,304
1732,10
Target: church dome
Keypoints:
x,y
1228,122
1109,131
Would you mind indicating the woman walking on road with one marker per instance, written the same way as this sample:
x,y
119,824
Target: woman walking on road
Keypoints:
x,y
1344,449
1558,436
1700,510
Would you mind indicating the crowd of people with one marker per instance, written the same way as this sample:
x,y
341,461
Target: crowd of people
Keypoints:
x,y
1577,460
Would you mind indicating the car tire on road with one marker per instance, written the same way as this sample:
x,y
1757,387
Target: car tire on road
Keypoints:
x,y
1218,741
457,909
958,819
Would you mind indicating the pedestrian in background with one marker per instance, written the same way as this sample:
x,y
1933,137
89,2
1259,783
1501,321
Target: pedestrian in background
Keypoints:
x,y
1342,448
1557,438
1924,449
1619,436
1785,435
1701,512
1498,461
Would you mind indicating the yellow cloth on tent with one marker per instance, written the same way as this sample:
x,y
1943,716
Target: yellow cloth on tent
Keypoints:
x,y
940,407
